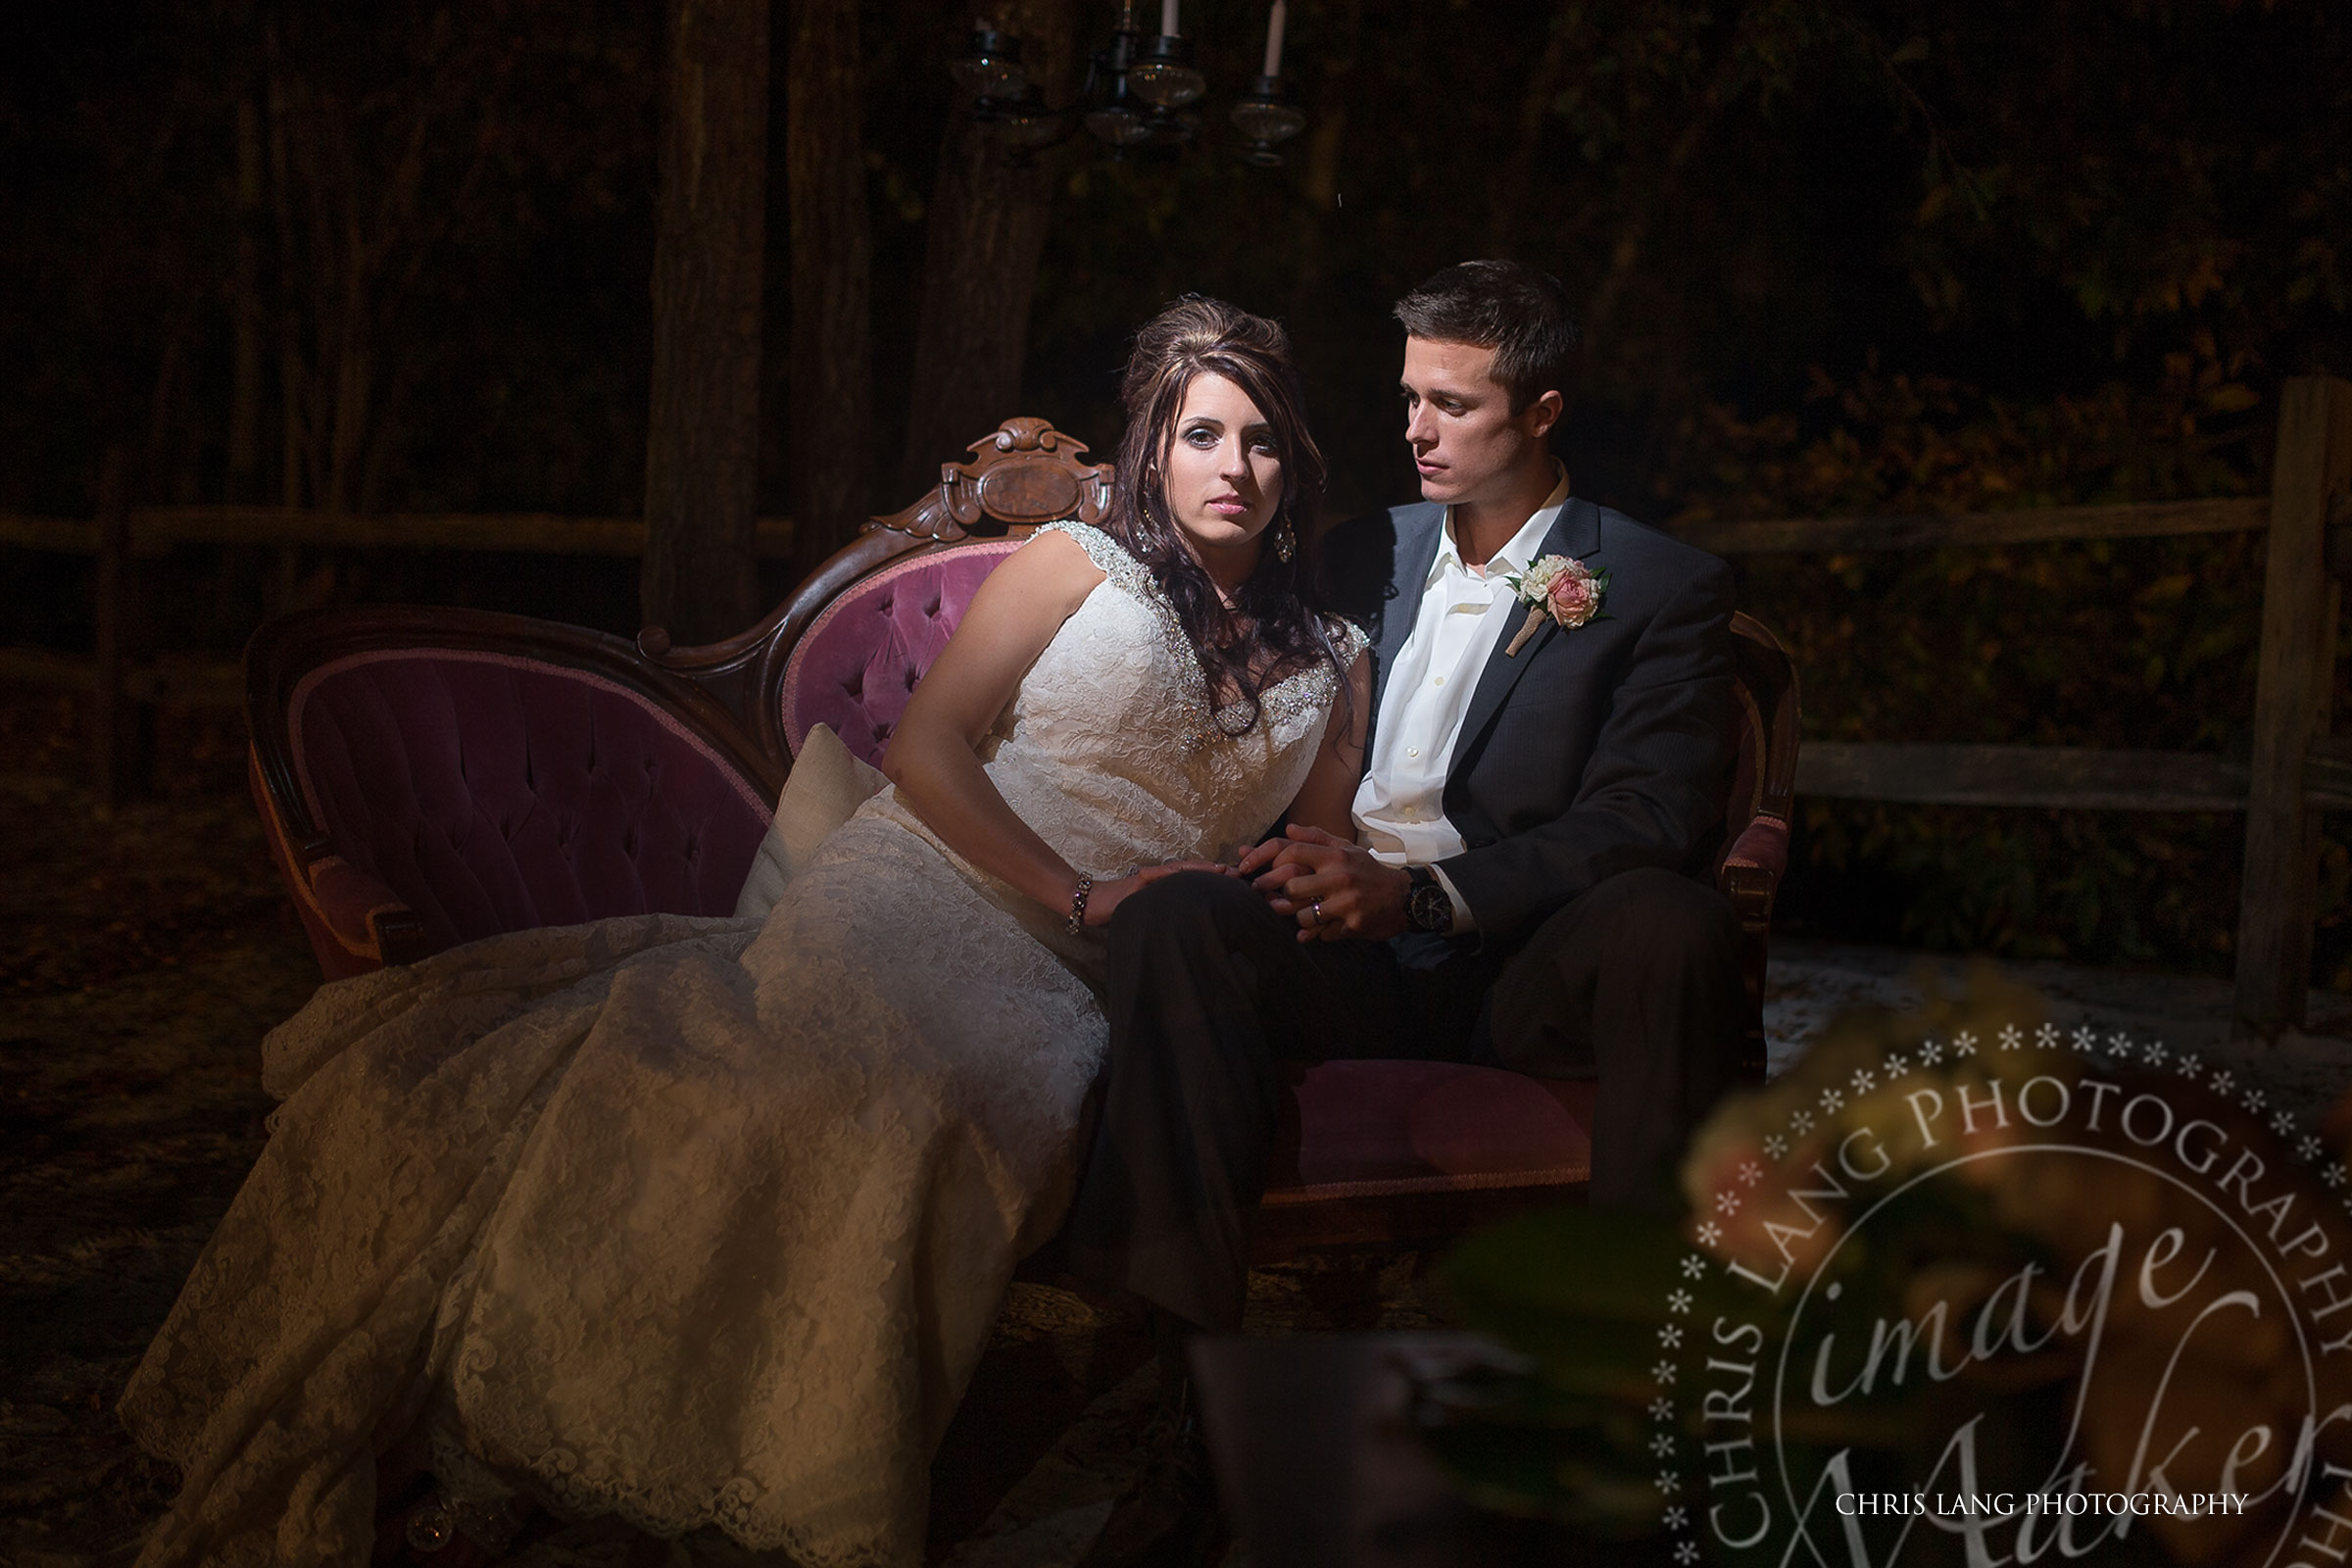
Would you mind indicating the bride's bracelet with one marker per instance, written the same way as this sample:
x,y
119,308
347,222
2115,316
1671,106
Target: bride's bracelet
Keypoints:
x,y
1086,885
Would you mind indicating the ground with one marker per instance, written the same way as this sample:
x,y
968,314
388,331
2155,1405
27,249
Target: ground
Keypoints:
x,y
143,952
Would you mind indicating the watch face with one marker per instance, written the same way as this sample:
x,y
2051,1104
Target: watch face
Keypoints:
x,y
1432,910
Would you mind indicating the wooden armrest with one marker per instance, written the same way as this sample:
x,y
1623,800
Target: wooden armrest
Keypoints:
x,y
1750,873
354,923
363,916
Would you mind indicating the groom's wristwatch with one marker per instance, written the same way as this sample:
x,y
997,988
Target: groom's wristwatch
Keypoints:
x,y
1427,904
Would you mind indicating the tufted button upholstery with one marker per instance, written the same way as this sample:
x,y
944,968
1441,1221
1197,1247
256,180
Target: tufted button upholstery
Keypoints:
x,y
859,660
493,793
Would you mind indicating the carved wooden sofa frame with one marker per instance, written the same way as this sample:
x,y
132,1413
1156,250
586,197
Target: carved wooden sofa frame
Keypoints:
x,y
431,776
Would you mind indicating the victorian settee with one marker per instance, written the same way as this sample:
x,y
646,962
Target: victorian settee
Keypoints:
x,y
431,776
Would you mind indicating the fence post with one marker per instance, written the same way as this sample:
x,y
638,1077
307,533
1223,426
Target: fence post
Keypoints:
x,y
2292,697
122,732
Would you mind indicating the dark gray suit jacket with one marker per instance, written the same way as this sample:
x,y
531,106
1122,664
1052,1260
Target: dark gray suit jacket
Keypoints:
x,y
1594,751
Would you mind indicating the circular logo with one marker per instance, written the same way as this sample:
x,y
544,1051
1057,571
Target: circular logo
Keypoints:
x,y
2004,1296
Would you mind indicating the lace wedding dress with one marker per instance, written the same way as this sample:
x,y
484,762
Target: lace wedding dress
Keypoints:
x,y
687,1220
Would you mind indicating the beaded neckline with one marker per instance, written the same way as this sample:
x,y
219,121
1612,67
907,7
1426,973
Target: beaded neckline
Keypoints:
x,y
1293,694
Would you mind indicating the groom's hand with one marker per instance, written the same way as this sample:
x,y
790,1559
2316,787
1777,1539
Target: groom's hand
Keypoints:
x,y
1333,888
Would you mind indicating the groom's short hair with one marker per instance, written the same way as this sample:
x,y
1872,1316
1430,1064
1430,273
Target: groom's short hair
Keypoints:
x,y
1518,311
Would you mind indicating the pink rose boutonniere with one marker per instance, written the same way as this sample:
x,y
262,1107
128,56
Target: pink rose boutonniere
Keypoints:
x,y
1561,587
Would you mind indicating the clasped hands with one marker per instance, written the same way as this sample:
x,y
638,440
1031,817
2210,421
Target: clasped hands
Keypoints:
x,y
1331,888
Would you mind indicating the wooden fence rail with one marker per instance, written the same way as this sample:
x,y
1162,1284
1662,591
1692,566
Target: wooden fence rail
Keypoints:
x,y
2297,768
2296,771
128,680
147,533
2028,525
155,530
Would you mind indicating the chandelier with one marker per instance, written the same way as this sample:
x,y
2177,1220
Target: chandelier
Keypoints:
x,y
1140,93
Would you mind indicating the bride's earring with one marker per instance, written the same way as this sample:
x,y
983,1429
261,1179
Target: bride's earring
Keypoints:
x,y
1284,541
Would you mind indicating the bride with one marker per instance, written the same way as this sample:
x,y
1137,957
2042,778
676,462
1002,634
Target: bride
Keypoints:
x,y
704,1224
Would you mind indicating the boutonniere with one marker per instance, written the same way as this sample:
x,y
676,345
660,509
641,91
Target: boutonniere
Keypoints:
x,y
1561,587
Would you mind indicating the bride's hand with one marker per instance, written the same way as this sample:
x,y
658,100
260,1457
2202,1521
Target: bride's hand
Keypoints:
x,y
1333,888
1106,896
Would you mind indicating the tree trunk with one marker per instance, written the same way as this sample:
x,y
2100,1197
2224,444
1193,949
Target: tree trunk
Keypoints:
x,y
1338,35
831,450
1654,191
293,385
701,457
988,228
1507,194
246,313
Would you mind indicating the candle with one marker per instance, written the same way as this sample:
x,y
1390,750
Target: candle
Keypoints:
x,y
1274,22
1167,19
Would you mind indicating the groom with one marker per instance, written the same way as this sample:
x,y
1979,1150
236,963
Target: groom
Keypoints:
x,y
1535,831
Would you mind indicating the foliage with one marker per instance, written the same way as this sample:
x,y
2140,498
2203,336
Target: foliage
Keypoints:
x,y
1835,255
447,206
1902,1271
1583,1292
2035,198
2144,643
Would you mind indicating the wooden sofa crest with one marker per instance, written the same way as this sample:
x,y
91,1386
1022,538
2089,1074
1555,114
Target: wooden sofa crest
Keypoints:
x,y
431,776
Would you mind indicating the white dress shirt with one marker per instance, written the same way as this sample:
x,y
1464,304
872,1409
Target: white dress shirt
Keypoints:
x,y
1464,611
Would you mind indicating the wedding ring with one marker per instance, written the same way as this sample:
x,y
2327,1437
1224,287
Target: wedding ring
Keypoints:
x,y
1316,909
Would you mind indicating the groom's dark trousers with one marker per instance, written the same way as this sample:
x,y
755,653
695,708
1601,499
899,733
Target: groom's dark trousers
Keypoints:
x,y
1588,786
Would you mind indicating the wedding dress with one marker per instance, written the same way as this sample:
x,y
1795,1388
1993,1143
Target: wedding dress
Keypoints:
x,y
693,1221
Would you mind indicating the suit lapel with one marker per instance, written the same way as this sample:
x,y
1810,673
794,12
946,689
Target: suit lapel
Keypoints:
x,y
1575,532
1417,536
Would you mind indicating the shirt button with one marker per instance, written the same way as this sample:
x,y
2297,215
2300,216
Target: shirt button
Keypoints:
x,y
1412,751
1437,680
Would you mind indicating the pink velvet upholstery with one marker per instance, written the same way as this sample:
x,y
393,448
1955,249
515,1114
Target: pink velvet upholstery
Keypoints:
x,y
491,793
858,662
1366,1128
452,793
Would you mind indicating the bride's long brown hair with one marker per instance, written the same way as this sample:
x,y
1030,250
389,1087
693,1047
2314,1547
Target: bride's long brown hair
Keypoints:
x,y
1275,627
